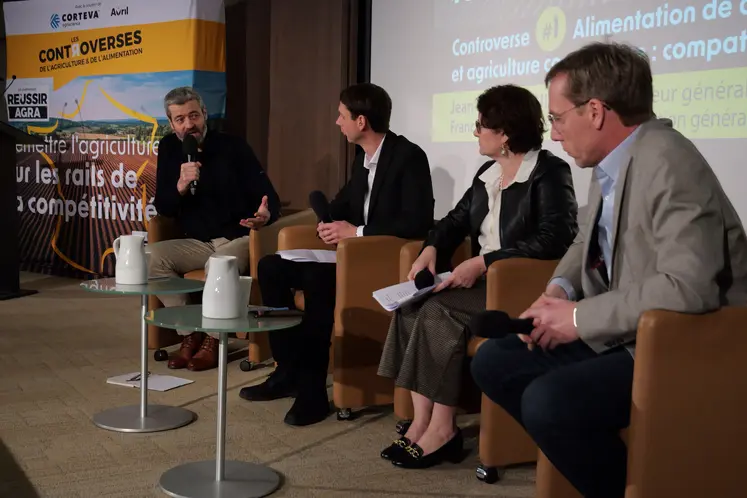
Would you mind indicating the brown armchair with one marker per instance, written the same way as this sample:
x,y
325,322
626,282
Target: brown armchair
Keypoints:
x,y
687,436
513,285
364,264
261,243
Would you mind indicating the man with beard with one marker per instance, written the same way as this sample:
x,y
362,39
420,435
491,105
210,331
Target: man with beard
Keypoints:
x,y
231,193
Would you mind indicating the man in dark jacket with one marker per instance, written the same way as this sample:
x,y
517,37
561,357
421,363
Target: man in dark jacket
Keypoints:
x,y
389,193
231,193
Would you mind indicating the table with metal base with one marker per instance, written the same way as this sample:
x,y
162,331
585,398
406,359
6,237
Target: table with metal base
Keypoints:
x,y
143,417
218,478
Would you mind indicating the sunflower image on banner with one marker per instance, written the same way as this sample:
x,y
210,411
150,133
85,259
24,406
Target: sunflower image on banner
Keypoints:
x,y
90,81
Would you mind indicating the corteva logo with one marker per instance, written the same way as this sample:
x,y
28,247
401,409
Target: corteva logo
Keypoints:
x,y
72,18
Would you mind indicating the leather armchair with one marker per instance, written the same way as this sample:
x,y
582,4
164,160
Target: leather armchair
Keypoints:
x,y
364,264
687,437
261,243
512,286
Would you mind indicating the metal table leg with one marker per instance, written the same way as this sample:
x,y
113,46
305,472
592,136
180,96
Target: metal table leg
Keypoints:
x,y
143,417
220,478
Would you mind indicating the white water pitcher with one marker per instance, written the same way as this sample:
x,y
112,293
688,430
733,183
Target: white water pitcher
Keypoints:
x,y
222,293
132,264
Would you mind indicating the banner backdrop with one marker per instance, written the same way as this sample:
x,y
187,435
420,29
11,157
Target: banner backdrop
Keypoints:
x,y
90,79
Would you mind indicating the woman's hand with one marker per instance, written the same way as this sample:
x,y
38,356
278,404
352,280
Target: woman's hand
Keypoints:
x,y
427,259
465,275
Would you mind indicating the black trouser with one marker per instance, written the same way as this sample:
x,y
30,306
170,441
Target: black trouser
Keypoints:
x,y
572,401
301,352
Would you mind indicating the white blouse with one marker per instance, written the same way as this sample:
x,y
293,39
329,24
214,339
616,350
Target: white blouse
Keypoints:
x,y
490,232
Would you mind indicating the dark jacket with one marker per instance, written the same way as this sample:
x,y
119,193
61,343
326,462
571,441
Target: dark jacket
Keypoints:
x,y
402,195
537,219
231,186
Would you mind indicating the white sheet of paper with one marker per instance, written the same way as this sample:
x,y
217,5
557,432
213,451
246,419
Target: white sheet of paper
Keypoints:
x,y
309,255
392,297
155,382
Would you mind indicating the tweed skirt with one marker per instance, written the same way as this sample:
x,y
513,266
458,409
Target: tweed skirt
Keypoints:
x,y
426,345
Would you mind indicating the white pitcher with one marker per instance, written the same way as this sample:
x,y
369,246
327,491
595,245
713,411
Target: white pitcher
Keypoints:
x,y
132,266
222,294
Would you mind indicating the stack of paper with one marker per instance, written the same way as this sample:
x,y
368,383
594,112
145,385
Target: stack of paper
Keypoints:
x,y
392,297
155,382
309,255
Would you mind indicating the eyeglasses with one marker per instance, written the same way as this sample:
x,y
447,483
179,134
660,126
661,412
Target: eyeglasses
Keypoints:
x,y
556,119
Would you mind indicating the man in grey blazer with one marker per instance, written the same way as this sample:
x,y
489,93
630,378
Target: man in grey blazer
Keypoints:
x,y
660,234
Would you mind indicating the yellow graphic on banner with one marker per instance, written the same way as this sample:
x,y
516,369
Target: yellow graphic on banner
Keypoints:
x,y
43,130
701,104
79,103
147,48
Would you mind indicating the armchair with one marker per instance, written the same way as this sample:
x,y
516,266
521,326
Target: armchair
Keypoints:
x,y
364,264
687,437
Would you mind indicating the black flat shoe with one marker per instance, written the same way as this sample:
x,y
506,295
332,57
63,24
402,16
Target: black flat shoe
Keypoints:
x,y
403,426
308,410
394,449
276,386
412,456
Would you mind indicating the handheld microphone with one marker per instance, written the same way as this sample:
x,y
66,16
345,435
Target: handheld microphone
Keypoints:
x,y
189,148
497,324
424,278
320,205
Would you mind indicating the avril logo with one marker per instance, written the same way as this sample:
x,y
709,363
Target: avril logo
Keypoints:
x,y
120,12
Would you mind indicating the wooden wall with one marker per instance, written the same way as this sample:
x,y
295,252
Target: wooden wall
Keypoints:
x,y
287,61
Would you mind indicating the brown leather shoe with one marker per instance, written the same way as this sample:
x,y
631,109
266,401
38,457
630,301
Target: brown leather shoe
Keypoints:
x,y
207,357
190,345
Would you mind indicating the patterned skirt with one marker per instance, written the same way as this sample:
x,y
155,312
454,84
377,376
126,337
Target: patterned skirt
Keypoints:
x,y
426,346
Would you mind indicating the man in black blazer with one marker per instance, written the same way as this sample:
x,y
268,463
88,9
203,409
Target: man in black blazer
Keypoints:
x,y
389,193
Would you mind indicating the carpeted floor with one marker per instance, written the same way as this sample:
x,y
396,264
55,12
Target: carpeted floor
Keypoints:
x,y
58,347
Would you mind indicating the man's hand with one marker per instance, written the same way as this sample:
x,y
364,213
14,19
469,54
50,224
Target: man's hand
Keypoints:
x,y
464,275
553,322
427,259
189,172
552,290
333,233
261,217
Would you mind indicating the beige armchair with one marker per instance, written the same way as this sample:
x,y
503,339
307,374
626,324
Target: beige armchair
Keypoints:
x,y
364,264
261,243
687,436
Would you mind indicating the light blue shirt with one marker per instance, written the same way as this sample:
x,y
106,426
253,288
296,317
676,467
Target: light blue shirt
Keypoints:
x,y
606,174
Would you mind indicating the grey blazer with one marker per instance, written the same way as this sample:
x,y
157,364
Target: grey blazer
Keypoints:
x,y
677,242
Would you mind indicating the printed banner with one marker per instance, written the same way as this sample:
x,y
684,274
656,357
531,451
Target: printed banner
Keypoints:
x,y
90,79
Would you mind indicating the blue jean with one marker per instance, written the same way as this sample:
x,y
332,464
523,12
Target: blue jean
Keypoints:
x,y
572,401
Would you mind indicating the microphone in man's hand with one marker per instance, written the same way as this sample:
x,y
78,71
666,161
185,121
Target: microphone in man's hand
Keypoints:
x,y
424,278
320,205
189,148
497,324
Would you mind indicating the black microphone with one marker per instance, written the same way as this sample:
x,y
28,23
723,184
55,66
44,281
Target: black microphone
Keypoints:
x,y
189,148
12,80
496,324
424,278
320,205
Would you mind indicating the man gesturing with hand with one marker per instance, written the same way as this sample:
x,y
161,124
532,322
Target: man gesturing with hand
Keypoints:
x,y
231,194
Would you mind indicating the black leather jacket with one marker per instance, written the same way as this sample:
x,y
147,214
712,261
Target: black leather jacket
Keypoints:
x,y
537,219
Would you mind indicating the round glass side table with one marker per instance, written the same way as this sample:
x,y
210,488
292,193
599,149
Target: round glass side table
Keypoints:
x,y
143,417
218,478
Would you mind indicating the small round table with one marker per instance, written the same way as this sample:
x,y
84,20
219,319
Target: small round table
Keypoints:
x,y
218,478
144,417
